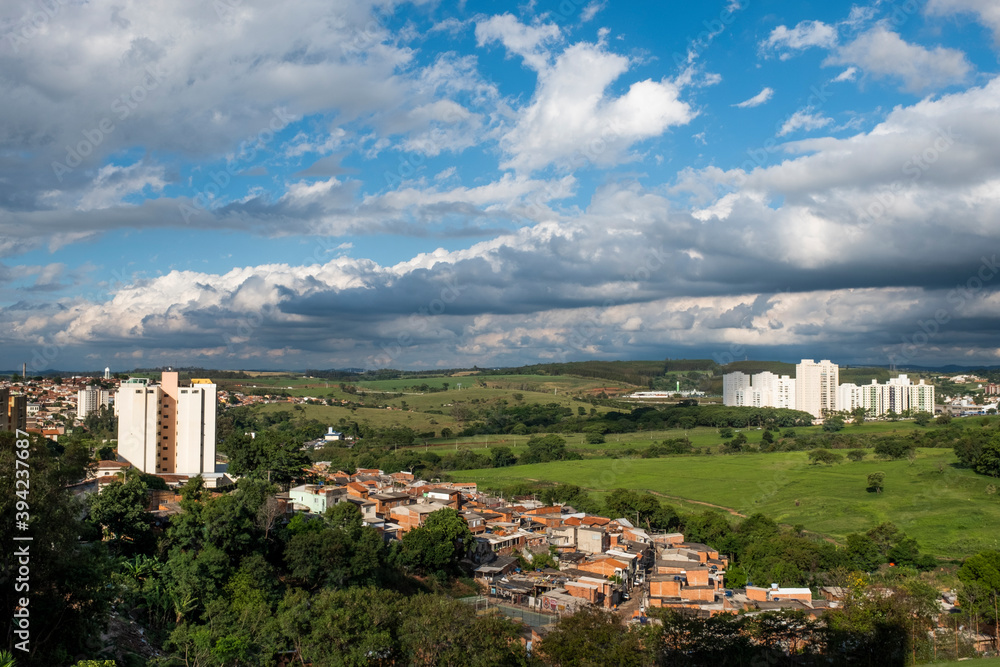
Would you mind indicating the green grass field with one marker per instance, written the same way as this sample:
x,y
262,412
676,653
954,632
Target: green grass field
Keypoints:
x,y
945,508
701,436
330,415
413,406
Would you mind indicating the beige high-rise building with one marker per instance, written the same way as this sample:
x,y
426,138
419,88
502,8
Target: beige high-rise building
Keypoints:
x,y
4,407
17,412
816,386
13,411
167,428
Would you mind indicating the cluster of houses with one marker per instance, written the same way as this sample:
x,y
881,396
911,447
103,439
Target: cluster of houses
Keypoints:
x,y
608,563
47,406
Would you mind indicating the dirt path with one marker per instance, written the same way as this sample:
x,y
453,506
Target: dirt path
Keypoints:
x,y
699,502
630,606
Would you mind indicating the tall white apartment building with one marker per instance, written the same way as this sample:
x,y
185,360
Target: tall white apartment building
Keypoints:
x,y
898,395
733,383
784,393
91,399
763,390
167,428
816,386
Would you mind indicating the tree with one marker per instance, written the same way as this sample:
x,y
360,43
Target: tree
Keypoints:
x,y
862,553
593,637
69,590
988,462
943,419
446,432
725,432
439,544
875,481
736,444
357,626
502,457
824,456
542,449
856,455
102,423
858,414
120,510
643,507
437,630
270,455
893,448
922,418
336,552
980,577
833,423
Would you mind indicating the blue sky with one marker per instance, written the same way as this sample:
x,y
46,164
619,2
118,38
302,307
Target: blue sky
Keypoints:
x,y
241,184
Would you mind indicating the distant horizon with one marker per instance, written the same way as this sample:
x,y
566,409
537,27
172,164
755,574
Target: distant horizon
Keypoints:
x,y
180,368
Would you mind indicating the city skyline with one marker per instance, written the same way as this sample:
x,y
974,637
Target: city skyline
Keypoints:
x,y
421,185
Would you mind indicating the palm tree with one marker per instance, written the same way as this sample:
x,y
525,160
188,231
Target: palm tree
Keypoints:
x,y
6,659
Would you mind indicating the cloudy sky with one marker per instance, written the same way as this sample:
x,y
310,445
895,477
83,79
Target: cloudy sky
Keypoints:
x,y
349,183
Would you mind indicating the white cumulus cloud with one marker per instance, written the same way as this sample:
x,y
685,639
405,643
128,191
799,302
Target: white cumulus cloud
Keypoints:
x,y
758,99
883,53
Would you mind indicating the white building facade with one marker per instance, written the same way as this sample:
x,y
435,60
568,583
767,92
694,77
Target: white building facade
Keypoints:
x,y
899,395
732,383
91,399
816,386
762,390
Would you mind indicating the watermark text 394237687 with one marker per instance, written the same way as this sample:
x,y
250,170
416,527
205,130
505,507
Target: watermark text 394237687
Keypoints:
x,y
22,542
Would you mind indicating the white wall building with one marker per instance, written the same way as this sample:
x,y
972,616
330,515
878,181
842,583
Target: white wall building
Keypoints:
x,y
733,383
91,399
316,497
898,395
166,428
816,386
763,390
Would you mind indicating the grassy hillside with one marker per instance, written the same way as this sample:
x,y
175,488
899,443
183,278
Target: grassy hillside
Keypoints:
x,y
945,508
424,411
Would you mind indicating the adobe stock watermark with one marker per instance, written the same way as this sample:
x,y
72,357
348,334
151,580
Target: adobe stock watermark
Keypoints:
x,y
122,107
22,549
220,180
927,330
32,26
